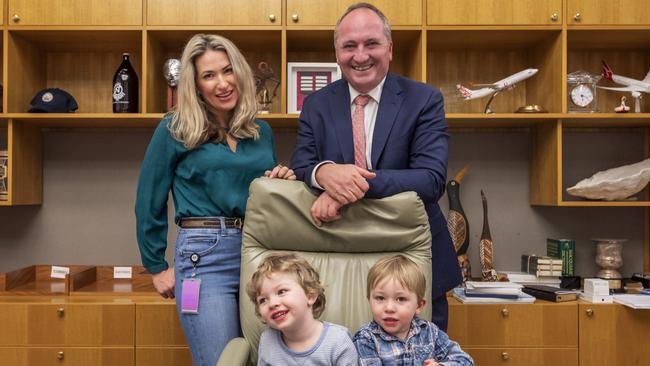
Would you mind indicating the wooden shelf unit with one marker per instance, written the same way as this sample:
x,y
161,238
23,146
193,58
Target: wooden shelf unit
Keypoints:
x,y
441,42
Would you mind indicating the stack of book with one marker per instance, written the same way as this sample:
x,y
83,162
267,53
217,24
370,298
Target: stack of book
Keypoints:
x,y
564,249
541,265
530,279
492,293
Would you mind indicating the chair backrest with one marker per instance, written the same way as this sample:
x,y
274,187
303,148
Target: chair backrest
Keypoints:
x,y
278,219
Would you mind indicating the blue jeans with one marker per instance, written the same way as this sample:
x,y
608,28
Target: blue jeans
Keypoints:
x,y
217,322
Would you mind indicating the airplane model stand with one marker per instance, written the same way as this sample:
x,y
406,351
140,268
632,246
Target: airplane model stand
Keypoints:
x,y
637,102
487,106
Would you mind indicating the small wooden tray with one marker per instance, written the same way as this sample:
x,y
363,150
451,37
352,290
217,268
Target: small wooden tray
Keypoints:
x,y
99,280
36,280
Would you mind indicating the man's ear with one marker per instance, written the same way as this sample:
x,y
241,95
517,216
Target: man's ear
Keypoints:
x,y
421,304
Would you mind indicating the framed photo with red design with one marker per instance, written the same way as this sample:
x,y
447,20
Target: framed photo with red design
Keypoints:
x,y
305,78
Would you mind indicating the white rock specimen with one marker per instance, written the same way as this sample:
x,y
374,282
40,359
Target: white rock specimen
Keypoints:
x,y
614,184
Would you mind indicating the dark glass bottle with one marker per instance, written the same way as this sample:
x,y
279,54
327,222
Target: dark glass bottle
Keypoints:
x,y
125,88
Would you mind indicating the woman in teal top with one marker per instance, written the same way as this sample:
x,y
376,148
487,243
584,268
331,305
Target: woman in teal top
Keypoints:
x,y
206,153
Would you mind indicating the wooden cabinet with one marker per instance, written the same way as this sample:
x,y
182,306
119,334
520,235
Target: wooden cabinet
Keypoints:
x,y
602,12
214,12
74,12
543,333
494,12
328,12
613,335
91,330
67,356
66,324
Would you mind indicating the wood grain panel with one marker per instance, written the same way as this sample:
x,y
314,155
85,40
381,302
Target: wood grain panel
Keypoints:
x,y
167,356
598,12
493,12
525,325
158,325
328,12
214,12
25,173
75,12
523,356
57,356
546,164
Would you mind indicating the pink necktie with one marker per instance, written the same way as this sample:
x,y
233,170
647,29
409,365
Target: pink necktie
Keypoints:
x,y
359,131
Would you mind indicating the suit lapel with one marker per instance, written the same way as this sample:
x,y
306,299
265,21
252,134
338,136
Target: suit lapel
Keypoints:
x,y
339,103
389,105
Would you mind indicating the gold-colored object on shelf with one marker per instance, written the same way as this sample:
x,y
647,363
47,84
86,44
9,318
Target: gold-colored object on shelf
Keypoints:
x,y
531,108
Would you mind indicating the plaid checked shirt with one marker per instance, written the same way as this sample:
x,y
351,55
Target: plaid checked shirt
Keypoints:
x,y
424,341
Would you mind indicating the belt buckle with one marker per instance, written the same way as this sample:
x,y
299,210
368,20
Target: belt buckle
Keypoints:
x,y
238,223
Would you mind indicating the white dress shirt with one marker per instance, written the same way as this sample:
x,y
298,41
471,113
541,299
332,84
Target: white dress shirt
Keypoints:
x,y
369,119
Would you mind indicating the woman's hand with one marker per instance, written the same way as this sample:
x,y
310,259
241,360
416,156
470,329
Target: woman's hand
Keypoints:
x,y
164,283
282,172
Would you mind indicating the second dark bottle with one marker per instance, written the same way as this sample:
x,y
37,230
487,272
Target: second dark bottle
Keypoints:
x,y
125,88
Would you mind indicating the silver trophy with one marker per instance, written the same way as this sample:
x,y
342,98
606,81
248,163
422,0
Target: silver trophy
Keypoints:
x,y
172,72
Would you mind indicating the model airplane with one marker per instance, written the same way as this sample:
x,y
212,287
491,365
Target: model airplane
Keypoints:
x,y
495,88
635,87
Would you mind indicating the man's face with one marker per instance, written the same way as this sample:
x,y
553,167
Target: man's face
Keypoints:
x,y
362,50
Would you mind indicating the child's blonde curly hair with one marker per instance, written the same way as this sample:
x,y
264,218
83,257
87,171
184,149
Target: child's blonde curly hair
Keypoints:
x,y
303,272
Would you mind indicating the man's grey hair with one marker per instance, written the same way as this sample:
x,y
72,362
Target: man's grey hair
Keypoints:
x,y
371,7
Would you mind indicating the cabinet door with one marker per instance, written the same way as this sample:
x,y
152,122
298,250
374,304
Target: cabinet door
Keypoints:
x,y
79,324
524,325
523,356
66,356
214,12
158,325
608,12
163,356
612,334
327,12
75,12
493,12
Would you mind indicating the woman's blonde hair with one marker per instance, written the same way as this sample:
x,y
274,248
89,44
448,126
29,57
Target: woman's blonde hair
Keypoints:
x,y
291,264
191,123
398,268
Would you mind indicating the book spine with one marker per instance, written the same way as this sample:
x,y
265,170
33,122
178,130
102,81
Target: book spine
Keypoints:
x,y
565,250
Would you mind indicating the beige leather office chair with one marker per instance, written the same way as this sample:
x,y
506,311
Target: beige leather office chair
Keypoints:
x,y
278,219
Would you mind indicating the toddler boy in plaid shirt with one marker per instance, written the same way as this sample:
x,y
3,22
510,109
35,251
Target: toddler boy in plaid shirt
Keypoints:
x,y
396,336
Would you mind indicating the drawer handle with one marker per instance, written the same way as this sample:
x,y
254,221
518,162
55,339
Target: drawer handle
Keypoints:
x,y
15,18
272,18
554,17
577,17
590,312
505,313
295,18
59,355
505,356
60,312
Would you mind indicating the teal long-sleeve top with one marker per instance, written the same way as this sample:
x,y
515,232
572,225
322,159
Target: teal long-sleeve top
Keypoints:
x,y
209,180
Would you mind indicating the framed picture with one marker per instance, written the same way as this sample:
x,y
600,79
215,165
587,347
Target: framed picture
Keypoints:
x,y
307,77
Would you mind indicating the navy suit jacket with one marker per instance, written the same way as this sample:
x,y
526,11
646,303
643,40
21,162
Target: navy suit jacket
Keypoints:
x,y
409,152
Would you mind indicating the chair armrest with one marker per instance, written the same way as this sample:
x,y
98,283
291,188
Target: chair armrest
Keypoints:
x,y
236,353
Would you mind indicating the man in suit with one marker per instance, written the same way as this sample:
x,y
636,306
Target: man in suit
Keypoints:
x,y
374,134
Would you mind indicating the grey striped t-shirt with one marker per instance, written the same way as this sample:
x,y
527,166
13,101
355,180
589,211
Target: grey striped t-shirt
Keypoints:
x,y
334,347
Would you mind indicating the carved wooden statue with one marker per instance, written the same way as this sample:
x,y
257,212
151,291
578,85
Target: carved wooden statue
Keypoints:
x,y
457,223
486,247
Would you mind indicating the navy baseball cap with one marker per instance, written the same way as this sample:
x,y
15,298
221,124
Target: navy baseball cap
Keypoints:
x,y
53,100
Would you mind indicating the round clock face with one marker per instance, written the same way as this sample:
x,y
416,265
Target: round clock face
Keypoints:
x,y
582,95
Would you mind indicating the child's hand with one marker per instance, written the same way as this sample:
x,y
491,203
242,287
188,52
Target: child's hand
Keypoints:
x,y
430,362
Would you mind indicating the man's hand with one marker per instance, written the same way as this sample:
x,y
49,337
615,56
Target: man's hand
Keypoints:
x,y
346,183
164,283
325,209
281,172
430,362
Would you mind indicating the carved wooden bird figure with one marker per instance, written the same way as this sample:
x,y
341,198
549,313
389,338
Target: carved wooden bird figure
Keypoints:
x,y
486,247
457,223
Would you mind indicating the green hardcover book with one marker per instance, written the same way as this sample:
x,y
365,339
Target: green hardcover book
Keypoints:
x,y
564,249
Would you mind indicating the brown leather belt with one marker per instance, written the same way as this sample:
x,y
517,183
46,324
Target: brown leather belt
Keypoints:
x,y
212,222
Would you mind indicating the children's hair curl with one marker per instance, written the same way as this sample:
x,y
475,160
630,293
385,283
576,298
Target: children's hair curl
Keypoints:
x,y
292,264
400,268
